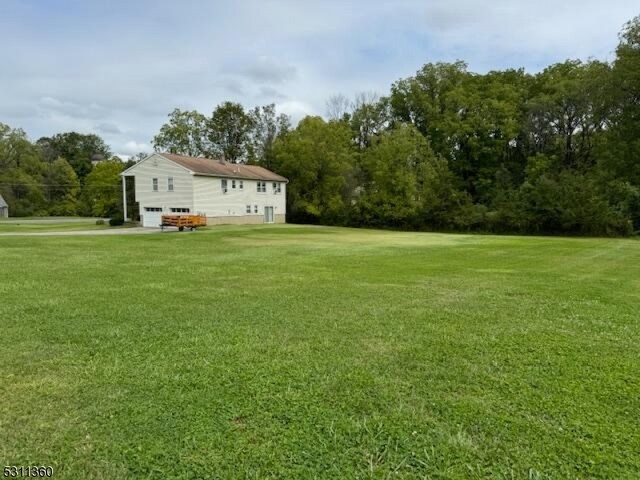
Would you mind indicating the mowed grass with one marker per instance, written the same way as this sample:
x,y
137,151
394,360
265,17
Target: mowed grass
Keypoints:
x,y
50,224
310,352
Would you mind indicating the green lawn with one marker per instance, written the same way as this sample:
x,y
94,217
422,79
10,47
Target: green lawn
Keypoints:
x,y
48,224
309,352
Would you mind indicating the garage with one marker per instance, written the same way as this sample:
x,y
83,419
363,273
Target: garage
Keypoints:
x,y
152,217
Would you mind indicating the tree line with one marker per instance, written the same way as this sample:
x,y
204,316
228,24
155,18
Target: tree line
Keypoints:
x,y
445,149
448,149
71,173
64,175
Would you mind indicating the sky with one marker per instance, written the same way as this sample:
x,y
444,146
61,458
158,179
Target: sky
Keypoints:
x,y
117,68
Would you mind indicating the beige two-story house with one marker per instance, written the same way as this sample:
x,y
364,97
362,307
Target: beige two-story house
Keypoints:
x,y
224,192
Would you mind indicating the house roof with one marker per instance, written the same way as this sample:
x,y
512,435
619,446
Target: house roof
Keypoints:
x,y
2,202
220,168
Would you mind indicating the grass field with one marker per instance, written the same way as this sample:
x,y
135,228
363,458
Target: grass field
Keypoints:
x,y
51,224
309,352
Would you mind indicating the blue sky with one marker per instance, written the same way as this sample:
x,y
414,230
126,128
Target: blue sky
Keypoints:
x,y
117,68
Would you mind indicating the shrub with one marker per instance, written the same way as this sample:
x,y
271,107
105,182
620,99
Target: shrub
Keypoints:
x,y
116,220
100,222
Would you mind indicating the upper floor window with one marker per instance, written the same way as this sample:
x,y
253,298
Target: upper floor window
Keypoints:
x,y
262,187
277,188
155,184
240,184
170,184
224,186
179,210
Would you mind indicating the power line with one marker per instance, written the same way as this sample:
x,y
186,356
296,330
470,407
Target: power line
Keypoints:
x,y
54,185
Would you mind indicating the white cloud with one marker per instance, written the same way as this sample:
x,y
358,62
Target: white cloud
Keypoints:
x,y
133,147
117,70
130,148
295,109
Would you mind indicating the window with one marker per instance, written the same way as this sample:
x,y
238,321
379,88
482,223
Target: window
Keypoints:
x,y
277,188
248,208
262,187
180,210
233,184
152,209
155,184
241,185
255,209
170,184
224,186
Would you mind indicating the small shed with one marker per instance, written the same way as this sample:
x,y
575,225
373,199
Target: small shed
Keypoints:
x,y
4,208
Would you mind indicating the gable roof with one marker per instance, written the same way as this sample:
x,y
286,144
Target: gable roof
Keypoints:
x,y
220,168
2,202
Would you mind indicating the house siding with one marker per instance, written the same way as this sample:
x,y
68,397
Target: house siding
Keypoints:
x,y
230,207
202,194
161,168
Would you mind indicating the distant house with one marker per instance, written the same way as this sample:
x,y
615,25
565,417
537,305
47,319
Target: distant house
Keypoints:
x,y
4,208
224,192
97,158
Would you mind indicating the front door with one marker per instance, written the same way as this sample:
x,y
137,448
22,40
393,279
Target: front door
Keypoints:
x,y
268,214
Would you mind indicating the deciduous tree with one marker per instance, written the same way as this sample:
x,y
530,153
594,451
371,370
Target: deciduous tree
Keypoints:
x,y
101,194
229,130
319,156
76,148
184,134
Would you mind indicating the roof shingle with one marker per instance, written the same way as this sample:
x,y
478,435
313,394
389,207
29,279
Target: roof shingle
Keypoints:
x,y
220,168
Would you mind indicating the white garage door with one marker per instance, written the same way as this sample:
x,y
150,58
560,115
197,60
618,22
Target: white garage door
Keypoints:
x,y
152,217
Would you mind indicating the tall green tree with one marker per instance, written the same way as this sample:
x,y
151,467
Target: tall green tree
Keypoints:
x,y
101,194
20,173
266,128
184,134
16,151
621,151
568,109
369,118
61,188
472,121
424,101
229,130
76,148
482,123
390,193
618,150
405,184
319,158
